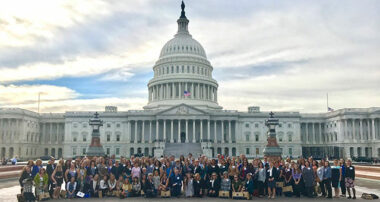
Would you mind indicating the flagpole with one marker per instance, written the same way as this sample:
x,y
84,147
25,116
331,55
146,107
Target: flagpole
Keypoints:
x,y
327,97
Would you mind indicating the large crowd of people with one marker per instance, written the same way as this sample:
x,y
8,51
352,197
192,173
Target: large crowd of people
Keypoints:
x,y
187,177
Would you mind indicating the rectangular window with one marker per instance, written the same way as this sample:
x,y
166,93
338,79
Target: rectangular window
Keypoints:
x,y
108,138
257,138
117,151
247,125
290,151
290,138
84,138
83,151
108,151
74,151
289,125
247,138
117,138
74,138
247,151
108,125
118,125
257,151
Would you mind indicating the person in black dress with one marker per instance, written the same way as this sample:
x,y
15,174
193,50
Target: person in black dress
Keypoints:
x,y
198,185
350,178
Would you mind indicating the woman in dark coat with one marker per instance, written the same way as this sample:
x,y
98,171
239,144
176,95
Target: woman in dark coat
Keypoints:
x,y
271,180
350,178
198,185
309,179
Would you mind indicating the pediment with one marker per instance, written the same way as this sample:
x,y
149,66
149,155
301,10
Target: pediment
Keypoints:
x,y
182,109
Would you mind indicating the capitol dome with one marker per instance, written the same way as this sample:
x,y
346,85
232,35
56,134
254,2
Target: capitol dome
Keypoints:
x,y
182,73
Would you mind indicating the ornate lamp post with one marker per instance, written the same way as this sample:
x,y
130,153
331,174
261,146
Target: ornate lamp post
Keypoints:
x,y
95,148
272,151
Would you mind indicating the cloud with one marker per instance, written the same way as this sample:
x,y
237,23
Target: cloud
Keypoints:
x,y
280,55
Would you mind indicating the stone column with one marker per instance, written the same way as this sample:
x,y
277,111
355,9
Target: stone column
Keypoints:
x,y
373,129
173,91
345,129
229,132
314,139
215,135
307,132
143,132
150,131
194,137
179,90
157,129
320,133
192,92
208,130
135,135
368,130
164,130
201,132
51,132
161,91
199,91
187,130
361,129
171,132
179,130
222,122
353,130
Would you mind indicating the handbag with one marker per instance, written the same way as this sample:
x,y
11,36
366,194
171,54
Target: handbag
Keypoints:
x,y
100,194
279,184
224,194
43,196
165,194
287,189
238,195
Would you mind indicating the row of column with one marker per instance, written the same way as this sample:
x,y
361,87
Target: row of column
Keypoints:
x,y
159,71
47,132
10,130
203,125
371,130
315,136
176,91
349,127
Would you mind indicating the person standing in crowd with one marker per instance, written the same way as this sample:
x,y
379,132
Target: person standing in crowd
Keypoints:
x,y
297,177
41,182
288,179
249,184
213,185
188,185
336,175
308,178
49,170
198,185
271,180
319,177
94,186
261,176
327,179
176,183
349,179
57,180
342,182
36,168
150,191
26,183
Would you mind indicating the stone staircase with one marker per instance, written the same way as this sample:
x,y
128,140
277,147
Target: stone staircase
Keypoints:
x,y
178,149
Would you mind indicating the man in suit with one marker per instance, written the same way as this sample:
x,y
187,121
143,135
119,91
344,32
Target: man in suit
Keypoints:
x,y
49,170
213,185
176,183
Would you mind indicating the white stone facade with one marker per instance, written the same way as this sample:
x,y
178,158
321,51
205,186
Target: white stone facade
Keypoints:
x,y
170,117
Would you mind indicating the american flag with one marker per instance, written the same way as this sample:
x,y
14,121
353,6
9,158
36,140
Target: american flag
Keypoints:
x,y
186,93
330,109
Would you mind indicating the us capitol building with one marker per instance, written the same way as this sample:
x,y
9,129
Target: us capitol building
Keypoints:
x,y
174,122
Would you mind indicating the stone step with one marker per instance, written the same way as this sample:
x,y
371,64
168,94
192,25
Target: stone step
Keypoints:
x,y
178,149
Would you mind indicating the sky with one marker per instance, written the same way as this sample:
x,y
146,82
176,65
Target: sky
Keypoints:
x,y
279,55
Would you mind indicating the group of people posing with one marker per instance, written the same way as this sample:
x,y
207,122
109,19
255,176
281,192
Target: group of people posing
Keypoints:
x,y
188,176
